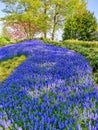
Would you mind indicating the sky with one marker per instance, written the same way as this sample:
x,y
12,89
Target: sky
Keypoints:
x,y
92,6
1,8
1,14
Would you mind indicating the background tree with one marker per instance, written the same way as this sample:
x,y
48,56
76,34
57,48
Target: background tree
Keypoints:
x,y
30,17
45,7
45,14
57,15
25,16
56,12
81,25
97,33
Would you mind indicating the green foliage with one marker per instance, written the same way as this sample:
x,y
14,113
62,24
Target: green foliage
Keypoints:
x,y
74,6
4,40
24,17
81,25
7,66
37,16
4,37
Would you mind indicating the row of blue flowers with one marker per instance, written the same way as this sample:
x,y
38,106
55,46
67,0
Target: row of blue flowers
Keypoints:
x,y
51,90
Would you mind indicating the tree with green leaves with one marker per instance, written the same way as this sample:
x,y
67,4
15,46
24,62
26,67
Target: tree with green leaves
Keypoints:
x,y
25,16
39,16
81,25
55,12
45,7
45,14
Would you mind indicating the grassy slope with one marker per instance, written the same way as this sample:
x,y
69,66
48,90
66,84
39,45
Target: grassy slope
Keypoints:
x,y
7,66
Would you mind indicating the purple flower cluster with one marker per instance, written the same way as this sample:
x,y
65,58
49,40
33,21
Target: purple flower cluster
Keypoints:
x,y
51,90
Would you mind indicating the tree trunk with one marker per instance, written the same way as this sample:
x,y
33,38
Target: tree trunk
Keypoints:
x,y
54,22
45,34
53,32
45,12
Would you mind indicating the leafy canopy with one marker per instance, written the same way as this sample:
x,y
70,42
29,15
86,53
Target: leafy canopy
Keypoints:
x,y
81,25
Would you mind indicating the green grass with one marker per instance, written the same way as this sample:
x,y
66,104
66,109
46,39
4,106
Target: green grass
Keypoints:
x,y
7,66
4,40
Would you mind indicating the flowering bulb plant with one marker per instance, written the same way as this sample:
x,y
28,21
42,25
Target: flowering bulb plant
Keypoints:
x,y
51,90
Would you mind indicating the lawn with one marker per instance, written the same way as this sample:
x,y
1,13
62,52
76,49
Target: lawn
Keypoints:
x,y
51,88
7,66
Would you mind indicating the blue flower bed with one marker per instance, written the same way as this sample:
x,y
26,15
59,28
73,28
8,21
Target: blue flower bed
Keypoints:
x,y
51,90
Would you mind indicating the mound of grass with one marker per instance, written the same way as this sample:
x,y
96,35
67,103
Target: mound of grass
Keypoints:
x,y
7,66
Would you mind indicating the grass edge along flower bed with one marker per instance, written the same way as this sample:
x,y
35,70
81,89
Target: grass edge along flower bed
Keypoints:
x,y
7,66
